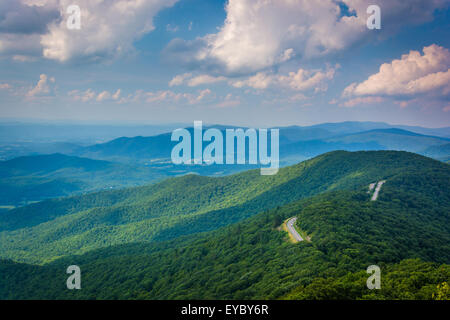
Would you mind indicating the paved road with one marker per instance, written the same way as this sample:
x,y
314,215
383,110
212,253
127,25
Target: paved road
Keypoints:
x,y
377,190
291,229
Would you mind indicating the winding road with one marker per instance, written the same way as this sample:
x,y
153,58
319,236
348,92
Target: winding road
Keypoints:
x,y
292,231
377,190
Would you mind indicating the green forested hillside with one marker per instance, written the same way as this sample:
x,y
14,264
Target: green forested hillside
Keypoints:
x,y
408,280
186,205
252,259
34,178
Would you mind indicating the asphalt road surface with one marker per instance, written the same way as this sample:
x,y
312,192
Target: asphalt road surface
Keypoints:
x,y
377,190
291,229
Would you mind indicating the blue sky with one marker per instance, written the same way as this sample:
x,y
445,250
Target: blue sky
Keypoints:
x,y
243,62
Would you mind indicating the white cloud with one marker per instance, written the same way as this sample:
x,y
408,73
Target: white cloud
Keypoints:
x,y
411,75
193,81
116,95
90,95
259,34
361,100
107,29
104,95
301,80
44,87
203,94
32,28
261,80
204,79
168,96
179,79
85,96
304,79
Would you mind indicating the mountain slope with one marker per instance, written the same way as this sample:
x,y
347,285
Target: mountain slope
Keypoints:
x,y
296,144
252,259
441,152
186,205
34,178
349,127
410,279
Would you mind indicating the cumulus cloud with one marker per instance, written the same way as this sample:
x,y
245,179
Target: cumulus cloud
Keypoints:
x,y
90,95
193,81
44,87
85,96
413,74
259,34
104,95
204,79
179,79
361,100
173,97
301,80
141,96
116,95
108,28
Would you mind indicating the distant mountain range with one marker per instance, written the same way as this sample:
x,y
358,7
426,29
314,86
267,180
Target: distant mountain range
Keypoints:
x,y
296,143
47,170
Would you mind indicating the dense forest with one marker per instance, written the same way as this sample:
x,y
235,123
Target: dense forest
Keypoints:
x,y
190,204
252,259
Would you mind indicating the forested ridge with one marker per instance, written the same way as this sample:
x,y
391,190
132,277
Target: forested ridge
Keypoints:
x,y
190,204
252,259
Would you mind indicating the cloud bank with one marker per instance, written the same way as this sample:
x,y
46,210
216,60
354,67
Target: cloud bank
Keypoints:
x,y
410,75
259,34
108,28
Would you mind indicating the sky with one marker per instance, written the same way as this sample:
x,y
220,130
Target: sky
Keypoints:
x,y
239,62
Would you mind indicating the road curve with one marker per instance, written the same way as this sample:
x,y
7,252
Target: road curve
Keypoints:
x,y
292,231
377,190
